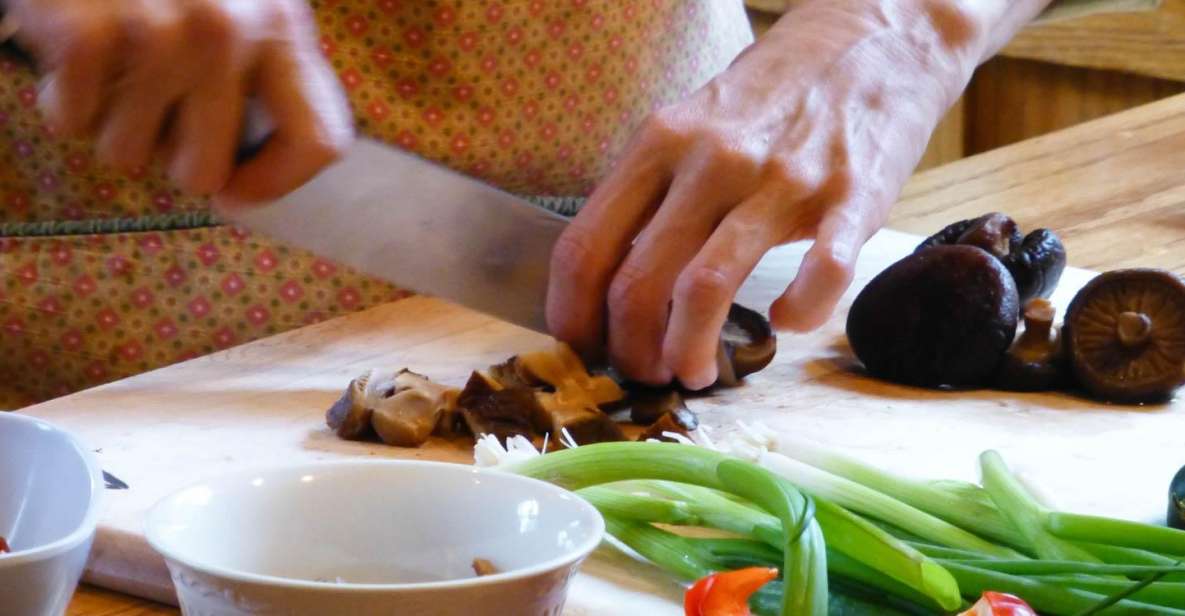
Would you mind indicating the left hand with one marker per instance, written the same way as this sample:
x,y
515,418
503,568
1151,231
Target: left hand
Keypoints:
x,y
811,133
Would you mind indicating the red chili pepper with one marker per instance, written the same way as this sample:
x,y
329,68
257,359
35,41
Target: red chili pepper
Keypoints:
x,y
999,604
3,546
726,593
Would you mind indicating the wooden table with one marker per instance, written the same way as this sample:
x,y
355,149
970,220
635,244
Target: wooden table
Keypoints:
x,y
1113,188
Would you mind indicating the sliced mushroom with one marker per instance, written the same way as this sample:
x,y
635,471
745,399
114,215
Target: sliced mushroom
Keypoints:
x,y
349,417
583,422
483,567
681,421
409,416
489,408
1034,363
747,345
942,316
563,370
1125,335
512,373
649,405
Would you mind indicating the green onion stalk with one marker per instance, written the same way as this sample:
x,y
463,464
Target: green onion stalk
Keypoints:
x,y
845,532
804,564
1025,513
962,504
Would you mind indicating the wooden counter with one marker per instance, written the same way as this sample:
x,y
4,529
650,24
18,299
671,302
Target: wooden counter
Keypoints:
x,y
1113,188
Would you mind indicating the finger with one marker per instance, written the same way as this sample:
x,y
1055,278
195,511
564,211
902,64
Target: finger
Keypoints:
x,y
705,289
639,295
152,83
588,252
826,272
207,131
313,125
132,128
79,69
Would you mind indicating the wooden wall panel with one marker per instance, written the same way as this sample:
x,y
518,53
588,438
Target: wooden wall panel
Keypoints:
x,y
1011,100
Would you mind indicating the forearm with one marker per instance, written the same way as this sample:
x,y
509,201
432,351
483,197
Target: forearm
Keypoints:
x,y
939,42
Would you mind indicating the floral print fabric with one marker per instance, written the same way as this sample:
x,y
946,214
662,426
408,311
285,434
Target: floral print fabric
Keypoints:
x,y
535,96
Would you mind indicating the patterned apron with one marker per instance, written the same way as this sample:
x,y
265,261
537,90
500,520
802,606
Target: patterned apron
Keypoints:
x,y
104,275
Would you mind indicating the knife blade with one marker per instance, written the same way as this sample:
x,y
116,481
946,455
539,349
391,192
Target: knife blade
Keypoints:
x,y
421,226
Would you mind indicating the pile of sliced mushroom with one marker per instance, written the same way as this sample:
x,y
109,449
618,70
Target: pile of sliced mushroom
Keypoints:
x,y
546,396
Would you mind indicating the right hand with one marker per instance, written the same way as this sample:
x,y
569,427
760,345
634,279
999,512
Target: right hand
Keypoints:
x,y
173,77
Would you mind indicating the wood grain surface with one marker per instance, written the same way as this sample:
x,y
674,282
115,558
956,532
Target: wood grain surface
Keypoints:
x,y
1113,188
1146,43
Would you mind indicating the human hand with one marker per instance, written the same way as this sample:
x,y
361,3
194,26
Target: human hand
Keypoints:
x,y
173,77
811,133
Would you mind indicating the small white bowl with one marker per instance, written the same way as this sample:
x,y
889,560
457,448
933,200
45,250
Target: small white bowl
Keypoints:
x,y
373,537
50,491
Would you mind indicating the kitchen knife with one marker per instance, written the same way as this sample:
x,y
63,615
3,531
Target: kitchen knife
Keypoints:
x,y
421,226
400,218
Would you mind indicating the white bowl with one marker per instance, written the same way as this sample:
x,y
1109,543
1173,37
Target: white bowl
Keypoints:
x,y
373,537
50,490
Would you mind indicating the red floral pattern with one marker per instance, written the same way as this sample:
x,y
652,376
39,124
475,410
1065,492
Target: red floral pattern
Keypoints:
x,y
535,96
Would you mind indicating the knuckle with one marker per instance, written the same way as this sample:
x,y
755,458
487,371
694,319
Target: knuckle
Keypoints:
x,y
211,25
84,36
702,285
663,128
573,254
832,264
630,292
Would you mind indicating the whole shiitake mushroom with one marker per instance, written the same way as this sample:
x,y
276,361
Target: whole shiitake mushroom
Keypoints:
x,y
1125,335
1036,261
942,316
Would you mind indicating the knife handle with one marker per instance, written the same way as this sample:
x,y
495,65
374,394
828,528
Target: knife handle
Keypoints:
x,y
257,125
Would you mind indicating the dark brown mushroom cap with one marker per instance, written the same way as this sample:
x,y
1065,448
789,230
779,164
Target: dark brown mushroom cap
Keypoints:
x,y
747,345
940,316
1125,335
994,232
1035,261
1037,264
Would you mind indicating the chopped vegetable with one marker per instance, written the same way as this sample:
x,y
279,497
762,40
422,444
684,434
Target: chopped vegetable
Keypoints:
x,y
727,593
4,546
482,567
999,604
657,498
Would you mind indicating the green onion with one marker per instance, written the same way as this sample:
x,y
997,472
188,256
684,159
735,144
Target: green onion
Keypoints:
x,y
1047,598
965,505
1168,594
1024,512
844,532
852,535
804,554
1056,567
1093,529
861,499
671,552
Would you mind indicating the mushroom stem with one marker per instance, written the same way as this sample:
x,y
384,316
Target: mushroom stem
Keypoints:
x,y
1039,314
1133,329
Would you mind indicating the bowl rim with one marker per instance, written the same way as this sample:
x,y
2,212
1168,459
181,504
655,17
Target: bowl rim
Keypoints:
x,y
90,520
152,522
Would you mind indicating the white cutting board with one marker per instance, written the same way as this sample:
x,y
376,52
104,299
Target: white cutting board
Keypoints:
x,y
263,403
